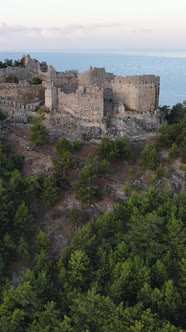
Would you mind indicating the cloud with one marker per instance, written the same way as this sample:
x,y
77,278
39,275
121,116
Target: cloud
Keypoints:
x,y
146,30
98,35
142,30
66,36
54,37
77,30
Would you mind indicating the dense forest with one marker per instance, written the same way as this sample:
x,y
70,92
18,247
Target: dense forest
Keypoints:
x,y
124,270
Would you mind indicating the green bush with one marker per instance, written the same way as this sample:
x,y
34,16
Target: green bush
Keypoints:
x,y
63,145
76,216
11,79
153,178
39,132
173,151
114,149
3,116
131,170
86,193
149,157
36,80
127,188
77,145
160,171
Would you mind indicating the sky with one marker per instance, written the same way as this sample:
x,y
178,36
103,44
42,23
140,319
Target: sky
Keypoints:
x,y
97,24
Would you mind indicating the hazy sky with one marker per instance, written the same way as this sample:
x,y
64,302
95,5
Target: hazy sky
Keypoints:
x,y
64,24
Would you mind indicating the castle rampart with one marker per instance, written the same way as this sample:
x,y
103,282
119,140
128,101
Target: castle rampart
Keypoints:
x,y
93,99
18,112
136,79
139,93
87,105
20,92
94,76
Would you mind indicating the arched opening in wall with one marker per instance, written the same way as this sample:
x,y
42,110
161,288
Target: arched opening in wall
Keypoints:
x,y
110,100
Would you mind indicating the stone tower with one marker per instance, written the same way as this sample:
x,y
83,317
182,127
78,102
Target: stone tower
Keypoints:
x,y
51,97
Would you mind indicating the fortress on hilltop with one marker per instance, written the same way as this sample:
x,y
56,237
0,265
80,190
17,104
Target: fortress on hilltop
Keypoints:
x,y
94,103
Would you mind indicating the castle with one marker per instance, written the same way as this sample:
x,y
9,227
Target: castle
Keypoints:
x,y
95,103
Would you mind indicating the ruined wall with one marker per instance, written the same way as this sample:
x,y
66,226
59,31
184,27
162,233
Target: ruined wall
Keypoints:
x,y
21,92
51,98
94,76
20,73
95,102
86,105
139,93
18,112
67,81
30,69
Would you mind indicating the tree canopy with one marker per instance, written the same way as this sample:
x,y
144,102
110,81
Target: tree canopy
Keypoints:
x,y
123,270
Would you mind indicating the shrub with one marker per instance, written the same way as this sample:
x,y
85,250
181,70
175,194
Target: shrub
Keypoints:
x,y
63,145
86,193
76,216
153,178
3,116
11,79
160,171
149,157
127,188
130,170
173,151
36,80
114,149
77,145
39,132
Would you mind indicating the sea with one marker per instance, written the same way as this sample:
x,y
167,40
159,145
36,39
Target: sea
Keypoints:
x,y
170,65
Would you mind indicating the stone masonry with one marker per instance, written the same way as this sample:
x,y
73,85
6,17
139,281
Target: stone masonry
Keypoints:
x,y
96,102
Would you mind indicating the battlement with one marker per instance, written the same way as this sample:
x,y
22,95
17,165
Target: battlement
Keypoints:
x,y
82,96
94,76
94,92
136,80
86,105
93,98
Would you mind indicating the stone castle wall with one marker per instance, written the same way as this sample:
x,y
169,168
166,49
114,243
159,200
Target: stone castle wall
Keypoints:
x,y
20,73
87,105
18,112
115,104
139,93
51,98
94,76
32,68
93,99
67,81
20,92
